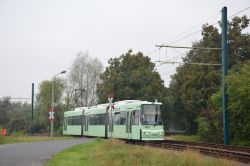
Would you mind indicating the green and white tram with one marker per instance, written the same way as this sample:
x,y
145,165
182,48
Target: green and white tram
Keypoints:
x,y
130,119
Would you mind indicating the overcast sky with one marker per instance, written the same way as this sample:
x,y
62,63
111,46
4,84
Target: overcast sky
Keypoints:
x,y
39,38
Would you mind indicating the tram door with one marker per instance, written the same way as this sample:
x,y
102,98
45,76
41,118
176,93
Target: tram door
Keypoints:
x,y
82,123
128,125
86,119
135,128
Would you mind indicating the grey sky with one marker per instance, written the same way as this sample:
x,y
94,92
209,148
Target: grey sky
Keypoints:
x,y
39,38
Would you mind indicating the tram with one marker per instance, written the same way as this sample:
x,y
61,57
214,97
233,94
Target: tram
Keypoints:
x,y
128,119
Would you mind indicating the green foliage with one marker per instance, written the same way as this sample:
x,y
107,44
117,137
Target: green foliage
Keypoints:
x,y
239,96
203,127
1,139
19,117
131,77
239,42
18,133
44,103
5,105
45,92
192,87
238,105
14,116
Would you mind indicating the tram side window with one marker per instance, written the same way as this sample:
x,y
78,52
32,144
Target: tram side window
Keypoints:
x,y
121,118
78,120
135,118
69,120
97,119
74,120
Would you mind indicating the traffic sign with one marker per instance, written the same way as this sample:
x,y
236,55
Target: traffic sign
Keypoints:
x,y
51,115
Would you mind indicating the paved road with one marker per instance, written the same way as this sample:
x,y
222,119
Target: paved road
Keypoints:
x,y
34,153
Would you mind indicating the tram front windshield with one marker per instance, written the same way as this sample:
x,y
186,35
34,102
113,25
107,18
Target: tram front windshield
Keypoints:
x,y
150,114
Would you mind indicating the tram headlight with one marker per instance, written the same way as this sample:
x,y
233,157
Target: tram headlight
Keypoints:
x,y
145,132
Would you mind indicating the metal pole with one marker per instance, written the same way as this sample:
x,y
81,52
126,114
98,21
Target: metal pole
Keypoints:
x,y
111,118
32,109
224,74
52,106
106,123
53,101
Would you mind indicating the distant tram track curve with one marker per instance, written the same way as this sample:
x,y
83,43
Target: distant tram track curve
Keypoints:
x,y
237,153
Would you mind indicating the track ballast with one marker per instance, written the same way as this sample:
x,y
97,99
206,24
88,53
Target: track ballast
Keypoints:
x,y
237,153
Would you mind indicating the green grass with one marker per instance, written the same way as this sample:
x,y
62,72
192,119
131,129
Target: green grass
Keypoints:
x,y
116,153
24,138
190,138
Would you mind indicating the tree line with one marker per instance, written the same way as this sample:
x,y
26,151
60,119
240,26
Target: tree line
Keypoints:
x,y
192,102
77,89
196,90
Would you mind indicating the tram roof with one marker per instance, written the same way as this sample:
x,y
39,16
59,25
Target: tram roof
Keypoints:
x,y
101,108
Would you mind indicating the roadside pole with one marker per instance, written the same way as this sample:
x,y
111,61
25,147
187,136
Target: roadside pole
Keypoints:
x,y
110,99
51,112
32,109
109,108
106,123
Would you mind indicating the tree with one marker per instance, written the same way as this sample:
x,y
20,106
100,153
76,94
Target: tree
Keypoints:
x,y
82,81
238,41
44,102
239,105
14,115
19,117
5,105
196,84
133,77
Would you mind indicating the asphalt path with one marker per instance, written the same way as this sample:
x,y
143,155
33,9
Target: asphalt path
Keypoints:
x,y
34,153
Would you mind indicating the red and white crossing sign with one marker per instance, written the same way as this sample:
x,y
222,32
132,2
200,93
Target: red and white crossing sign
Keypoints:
x,y
51,114
110,99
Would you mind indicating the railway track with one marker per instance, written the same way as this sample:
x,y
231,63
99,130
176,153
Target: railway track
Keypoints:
x,y
237,153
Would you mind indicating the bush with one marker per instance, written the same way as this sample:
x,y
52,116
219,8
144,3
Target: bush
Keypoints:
x,y
203,128
18,133
1,139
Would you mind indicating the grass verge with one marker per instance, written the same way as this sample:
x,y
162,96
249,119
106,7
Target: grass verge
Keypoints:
x,y
22,139
116,153
190,138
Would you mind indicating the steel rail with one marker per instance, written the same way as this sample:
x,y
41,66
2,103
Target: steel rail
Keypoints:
x,y
213,145
237,153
